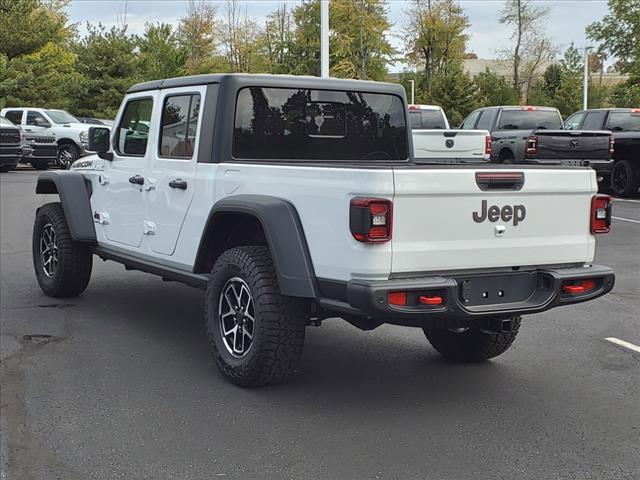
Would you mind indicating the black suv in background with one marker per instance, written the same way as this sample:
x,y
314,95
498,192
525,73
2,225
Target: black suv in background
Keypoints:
x,y
536,135
624,123
10,145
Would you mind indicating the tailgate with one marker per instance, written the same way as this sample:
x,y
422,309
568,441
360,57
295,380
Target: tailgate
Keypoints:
x,y
442,220
572,144
449,143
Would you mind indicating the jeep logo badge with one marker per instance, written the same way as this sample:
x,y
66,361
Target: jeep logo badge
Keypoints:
x,y
515,214
449,143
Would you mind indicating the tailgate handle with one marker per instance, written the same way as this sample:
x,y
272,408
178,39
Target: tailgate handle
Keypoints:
x,y
500,180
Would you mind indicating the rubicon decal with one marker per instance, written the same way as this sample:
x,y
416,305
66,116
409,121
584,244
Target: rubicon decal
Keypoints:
x,y
508,213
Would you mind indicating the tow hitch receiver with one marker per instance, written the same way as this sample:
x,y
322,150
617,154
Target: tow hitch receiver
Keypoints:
x,y
498,325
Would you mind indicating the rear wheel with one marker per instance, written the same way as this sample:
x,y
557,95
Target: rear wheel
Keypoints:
x,y
256,334
62,265
472,344
623,179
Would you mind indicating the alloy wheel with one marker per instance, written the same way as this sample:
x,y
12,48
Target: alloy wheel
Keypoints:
x,y
66,156
49,250
619,179
236,316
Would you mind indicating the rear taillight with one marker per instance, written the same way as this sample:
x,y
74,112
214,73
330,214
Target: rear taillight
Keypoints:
x,y
370,219
635,110
532,145
600,214
612,144
487,145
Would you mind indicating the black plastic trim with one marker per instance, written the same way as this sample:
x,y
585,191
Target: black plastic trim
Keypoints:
x,y
369,298
74,194
167,273
285,238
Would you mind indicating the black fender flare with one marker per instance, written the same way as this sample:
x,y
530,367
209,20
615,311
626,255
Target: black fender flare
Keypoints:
x,y
285,238
74,191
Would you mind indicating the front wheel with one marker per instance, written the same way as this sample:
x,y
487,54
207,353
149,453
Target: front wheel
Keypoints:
x,y
67,154
472,344
624,180
62,265
255,333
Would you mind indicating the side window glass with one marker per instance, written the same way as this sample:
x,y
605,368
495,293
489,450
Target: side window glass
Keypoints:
x,y
15,116
486,120
34,118
573,122
179,126
594,121
470,121
133,130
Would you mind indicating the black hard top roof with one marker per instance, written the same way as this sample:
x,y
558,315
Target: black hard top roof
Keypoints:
x,y
266,80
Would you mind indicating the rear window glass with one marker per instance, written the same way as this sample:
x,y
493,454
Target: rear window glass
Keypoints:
x,y
529,119
302,124
427,119
624,121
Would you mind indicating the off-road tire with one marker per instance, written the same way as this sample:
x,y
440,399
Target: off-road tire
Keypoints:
x,y
279,327
623,169
74,259
473,344
40,166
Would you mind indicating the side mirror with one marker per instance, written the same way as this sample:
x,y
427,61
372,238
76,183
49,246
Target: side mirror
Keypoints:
x,y
99,142
40,122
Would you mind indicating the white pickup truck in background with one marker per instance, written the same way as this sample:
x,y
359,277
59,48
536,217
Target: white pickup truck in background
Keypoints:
x,y
433,138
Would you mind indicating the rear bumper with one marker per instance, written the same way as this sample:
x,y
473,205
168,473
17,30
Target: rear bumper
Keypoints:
x,y
527,292
599,165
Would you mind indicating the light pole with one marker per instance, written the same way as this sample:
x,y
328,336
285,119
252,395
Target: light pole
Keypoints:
x,y
324,38
413,86
585,80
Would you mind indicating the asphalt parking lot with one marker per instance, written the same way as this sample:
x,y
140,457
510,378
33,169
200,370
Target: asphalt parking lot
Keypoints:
x,y
118,383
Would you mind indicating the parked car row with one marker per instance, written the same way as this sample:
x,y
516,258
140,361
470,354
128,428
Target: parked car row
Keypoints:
x,y
43,137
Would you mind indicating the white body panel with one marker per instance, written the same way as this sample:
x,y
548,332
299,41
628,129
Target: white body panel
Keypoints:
x,y
465,144
433,228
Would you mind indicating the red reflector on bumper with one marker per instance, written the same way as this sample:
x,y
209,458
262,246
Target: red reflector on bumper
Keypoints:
x,y
424,300
582,286
398,298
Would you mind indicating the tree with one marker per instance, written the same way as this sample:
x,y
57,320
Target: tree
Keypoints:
x,y
197,35
109,64
626,94
45,78
161,54
434,36
306,45
359,47
454,90
278,39
28,25
239,34
494,89
619,35
532,48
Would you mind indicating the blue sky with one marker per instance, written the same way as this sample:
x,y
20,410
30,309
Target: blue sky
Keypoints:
x,y
566,24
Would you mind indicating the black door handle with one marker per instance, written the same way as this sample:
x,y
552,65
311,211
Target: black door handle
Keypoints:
x,y
137,180
178,183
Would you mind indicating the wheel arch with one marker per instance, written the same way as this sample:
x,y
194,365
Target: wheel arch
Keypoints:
x,y
506,152
67,140
75,193
260,219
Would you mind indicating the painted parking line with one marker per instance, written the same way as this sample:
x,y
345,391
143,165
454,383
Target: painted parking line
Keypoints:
x,y
623,344
626,219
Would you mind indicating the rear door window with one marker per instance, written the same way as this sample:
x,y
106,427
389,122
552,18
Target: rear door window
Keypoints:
x,y
303,124
15,116
133,130
486,119
179,126
594,120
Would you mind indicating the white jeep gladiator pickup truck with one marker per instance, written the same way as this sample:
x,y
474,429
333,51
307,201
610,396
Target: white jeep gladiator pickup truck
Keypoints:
x,y
295,199
432,137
